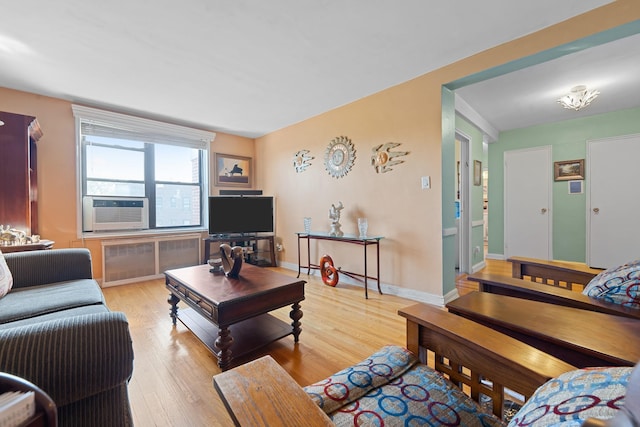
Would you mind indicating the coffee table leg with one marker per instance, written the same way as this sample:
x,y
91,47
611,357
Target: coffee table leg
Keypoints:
x,y
296,315
223,343
173,311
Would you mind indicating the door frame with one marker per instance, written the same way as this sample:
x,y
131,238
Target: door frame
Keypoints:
x,y
464,223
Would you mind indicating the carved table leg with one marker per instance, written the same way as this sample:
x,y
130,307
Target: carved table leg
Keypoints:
x,y
173,311
296,315
223,343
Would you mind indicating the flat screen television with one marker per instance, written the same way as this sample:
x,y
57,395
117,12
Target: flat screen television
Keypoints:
x,y
240,214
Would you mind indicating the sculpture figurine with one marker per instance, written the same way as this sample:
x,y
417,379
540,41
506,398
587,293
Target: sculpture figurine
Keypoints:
x,y
11,236
231,260
334,216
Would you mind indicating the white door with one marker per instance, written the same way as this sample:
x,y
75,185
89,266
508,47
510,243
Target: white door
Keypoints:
x,y
613,203
527,201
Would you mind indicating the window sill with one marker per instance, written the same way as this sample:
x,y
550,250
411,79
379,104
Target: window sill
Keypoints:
x,y
99,235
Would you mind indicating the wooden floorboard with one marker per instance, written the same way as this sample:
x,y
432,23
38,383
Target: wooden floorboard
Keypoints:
x,y
173,370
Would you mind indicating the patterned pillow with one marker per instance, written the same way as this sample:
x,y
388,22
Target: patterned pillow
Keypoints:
x,y
620,285
6,280
420,397
351,383
575,396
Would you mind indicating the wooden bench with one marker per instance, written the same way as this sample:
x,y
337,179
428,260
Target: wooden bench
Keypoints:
x,y
474,357
563,274
504,285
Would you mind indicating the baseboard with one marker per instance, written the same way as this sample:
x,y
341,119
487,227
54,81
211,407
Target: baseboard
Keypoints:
x,y
387,289
500,257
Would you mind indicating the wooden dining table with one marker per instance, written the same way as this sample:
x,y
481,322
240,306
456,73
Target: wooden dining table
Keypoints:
x,y
580,337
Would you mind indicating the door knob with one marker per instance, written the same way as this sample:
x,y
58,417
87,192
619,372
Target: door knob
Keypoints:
x,y
543,210
596,210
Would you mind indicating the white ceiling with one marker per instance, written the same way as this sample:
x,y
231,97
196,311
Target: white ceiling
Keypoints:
x,y
249,67
529,96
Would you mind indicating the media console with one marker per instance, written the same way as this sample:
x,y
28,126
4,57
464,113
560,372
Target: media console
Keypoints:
x,y
257,255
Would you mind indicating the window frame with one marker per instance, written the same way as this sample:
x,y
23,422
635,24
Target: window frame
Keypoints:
x,y
153,132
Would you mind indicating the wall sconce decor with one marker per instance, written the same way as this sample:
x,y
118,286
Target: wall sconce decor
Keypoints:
x,y
302,160
382,158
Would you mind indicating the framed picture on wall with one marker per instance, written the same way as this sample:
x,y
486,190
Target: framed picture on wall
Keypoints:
x,y
477,172
568,170
575,187
232,170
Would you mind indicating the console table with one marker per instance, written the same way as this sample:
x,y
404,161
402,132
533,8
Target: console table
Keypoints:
x,y
347,238
234,239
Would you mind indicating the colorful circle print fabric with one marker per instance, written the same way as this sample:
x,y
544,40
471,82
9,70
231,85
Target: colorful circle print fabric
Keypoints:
x,y
620,285
391,389
574,396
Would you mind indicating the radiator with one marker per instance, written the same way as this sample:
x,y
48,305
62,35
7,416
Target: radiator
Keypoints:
x,y
134,260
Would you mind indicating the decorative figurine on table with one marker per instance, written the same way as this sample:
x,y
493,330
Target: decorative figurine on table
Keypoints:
x,y
334,216
231,260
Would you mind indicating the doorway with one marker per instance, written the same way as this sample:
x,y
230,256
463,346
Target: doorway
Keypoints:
x,y
463,203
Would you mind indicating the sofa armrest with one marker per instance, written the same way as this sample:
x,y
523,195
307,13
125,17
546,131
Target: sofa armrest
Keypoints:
x,y
34,268
70,358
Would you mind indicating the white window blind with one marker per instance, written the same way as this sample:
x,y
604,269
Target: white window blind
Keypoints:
x,y
97,122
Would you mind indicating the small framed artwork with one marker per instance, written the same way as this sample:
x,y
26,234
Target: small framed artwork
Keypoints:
x,y
575,187
477,172
232,170
568,170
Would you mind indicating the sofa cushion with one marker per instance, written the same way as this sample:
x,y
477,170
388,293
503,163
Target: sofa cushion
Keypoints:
x,y
62,314
22,303
351,383
620,285
6,280
421,396
574,396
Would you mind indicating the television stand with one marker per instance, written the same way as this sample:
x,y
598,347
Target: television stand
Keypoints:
x,y
260,256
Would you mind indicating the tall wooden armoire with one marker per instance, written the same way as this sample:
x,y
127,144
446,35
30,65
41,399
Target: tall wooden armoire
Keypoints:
x,y
18,172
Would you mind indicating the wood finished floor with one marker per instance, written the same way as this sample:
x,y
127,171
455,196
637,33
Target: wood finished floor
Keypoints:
x,y
172,378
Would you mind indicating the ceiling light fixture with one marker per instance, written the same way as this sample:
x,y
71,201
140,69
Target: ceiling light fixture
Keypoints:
x,y
1,123
578,98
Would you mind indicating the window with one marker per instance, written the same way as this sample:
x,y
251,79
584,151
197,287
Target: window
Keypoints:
x,y
125,156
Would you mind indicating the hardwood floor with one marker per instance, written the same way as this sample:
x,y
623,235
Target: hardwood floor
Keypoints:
x,y
172,378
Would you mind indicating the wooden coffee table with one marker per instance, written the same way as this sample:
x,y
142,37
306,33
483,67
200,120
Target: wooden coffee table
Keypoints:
x,y
230,316
580,337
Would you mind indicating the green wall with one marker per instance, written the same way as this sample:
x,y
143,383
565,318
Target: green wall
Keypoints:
x,y
568,141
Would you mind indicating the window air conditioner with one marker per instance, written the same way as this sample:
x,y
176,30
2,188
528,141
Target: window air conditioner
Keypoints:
x,y
100,213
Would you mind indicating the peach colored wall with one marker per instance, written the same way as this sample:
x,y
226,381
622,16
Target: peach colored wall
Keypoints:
x,y
410,113
57,205
229,144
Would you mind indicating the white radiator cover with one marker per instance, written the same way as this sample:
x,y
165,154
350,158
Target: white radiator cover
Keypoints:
x,y
133,260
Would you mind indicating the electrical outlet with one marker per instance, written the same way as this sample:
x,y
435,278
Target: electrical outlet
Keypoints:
x,y
425,182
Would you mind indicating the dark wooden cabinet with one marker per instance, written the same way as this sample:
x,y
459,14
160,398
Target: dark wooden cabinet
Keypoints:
x,y
18,172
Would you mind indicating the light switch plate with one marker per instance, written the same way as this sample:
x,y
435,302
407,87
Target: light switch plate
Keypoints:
x,y
426,182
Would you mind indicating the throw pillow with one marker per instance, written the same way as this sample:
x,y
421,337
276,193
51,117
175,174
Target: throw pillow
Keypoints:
x,y
351,383
6,280
574,396
620,285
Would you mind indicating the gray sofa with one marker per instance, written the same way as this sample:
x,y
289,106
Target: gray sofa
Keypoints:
x,y
57,332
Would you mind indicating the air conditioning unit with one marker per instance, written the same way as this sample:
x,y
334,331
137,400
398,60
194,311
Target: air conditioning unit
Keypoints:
x,y
101,213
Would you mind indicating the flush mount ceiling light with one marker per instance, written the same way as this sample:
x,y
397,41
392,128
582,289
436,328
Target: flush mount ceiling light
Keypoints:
x,y
578,98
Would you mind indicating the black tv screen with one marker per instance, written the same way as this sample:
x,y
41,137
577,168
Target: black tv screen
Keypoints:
x,y
240,214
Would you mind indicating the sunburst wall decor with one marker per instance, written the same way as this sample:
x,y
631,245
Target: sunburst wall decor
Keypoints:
x,y
339,156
